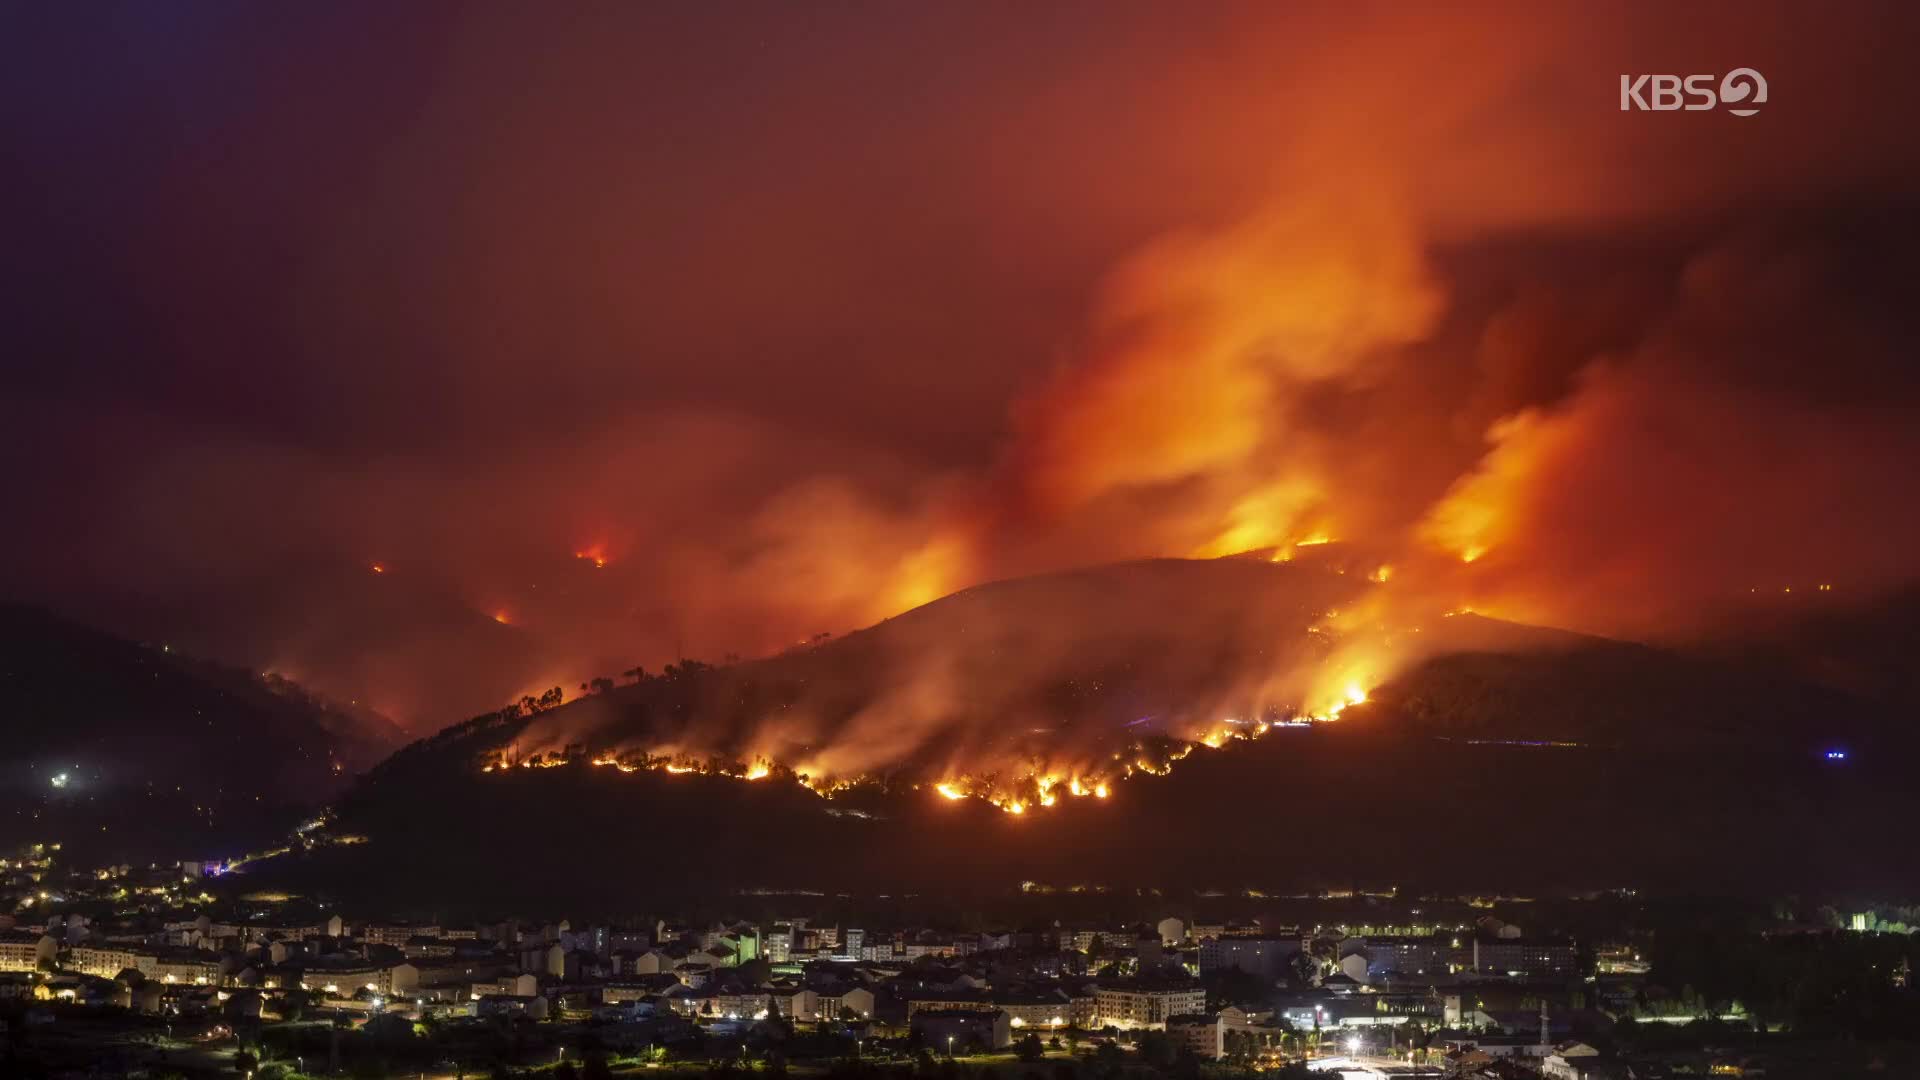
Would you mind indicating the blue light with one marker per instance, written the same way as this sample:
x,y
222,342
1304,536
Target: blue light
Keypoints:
x,y
1836,755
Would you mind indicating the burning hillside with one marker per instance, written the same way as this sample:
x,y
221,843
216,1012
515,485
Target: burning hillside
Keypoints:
x,y
1023,693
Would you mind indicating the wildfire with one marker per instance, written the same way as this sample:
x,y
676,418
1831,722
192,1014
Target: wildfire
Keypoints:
x,y
1040,785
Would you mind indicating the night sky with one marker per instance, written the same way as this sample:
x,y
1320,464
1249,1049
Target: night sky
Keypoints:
x,y
432,353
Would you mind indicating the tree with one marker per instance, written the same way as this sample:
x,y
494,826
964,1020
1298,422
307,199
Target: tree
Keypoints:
x,y
601,685
1029,1048
1301,969
245,1061
1239,1048
1156,1049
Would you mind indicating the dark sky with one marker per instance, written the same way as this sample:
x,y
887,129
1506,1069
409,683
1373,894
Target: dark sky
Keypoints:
x,y
796,315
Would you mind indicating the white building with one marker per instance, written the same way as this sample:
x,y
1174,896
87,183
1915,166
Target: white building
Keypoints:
x,y
1206,1036
1146,1005
25,952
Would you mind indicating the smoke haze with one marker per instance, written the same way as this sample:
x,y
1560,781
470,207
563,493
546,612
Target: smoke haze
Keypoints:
x,y
536,350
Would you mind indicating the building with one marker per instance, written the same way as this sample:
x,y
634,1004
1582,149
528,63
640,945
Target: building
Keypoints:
x,y
1523,957
1574,1061
103,961
639,989
331,926
954,1000
347,979
1146,1004
1205,1035
1046,1011
1388,956
779,943
962,1030
26,952
519,986
182,967
504,1005
1265,956
795,1003
834,1002
378,934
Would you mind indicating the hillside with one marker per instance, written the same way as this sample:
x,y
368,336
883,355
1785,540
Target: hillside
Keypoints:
x,y
1480,684
1065,668
1452,741
130,751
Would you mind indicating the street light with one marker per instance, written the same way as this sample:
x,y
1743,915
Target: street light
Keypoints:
x,y
949,1046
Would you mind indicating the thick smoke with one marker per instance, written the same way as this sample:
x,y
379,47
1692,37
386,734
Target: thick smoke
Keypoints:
x,y
598,380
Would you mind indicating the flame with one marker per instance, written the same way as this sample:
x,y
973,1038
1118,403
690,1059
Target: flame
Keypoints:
x,y
1040,785
503,617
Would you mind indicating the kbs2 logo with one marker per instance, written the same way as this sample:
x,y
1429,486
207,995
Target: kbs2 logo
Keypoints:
x,y
1742,87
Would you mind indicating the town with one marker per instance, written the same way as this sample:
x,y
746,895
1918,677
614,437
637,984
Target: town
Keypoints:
x,y
1115,540
181,971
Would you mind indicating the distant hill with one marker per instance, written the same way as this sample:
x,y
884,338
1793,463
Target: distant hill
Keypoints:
x,y
1457,763
131,751
1489,679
